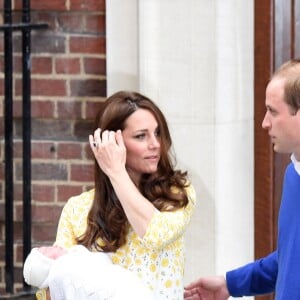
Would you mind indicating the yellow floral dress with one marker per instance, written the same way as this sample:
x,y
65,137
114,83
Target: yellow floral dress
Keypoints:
x,y
157,258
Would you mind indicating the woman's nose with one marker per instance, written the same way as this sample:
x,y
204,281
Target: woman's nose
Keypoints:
x,y
154,142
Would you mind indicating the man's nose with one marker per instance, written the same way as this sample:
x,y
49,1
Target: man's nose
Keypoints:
x,y
265,123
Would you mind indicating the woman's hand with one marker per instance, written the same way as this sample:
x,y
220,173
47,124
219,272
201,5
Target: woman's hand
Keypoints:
x,y
109,151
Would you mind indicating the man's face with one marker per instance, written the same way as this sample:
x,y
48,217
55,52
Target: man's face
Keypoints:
x,y
282,125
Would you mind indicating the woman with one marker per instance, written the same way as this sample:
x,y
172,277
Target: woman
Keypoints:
x,y
140,206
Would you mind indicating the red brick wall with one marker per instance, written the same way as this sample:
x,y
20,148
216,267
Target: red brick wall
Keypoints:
x,y
68,81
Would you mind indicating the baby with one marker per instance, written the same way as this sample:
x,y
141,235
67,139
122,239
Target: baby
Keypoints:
x,y
79,274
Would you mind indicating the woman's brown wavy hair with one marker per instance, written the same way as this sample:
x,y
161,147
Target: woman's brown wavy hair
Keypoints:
x,y
165,188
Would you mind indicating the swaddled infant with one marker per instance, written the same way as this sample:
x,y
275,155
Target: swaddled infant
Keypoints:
x,y
79,274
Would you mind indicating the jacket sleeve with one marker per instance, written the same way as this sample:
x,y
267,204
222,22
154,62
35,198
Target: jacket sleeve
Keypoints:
x,y
258,277
166,227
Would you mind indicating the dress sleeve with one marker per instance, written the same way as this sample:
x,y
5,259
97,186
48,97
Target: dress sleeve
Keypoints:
x,y
255,278
41,294
65,236
166,227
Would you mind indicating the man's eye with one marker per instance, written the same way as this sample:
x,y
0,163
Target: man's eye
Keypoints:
x,y
271,110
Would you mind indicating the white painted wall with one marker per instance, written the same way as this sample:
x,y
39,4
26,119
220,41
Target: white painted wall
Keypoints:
x,y
195,59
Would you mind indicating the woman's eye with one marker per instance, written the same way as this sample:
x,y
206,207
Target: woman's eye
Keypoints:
x,y
140,136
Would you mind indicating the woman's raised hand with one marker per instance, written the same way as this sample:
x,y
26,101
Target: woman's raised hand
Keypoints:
x,y
109,150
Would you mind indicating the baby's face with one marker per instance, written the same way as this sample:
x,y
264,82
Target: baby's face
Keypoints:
x,y
52,251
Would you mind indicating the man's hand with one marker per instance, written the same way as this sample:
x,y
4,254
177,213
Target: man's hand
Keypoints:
x,y
207,288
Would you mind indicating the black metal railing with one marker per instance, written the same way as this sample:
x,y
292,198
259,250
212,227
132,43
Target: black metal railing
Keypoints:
x,y
25,27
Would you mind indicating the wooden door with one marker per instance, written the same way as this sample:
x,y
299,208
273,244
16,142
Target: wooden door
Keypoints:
x,y
277,39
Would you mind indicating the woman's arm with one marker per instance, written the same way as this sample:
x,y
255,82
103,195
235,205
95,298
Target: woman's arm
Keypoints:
x,y
166,227
111,157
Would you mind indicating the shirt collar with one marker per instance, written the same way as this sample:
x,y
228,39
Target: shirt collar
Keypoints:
x,y
296,163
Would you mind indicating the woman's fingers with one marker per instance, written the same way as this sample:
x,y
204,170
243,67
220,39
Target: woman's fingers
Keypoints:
x,y
119,138
92,142
97,136
106,137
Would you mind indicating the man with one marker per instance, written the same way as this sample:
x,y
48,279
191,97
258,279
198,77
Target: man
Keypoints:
x,y
278,272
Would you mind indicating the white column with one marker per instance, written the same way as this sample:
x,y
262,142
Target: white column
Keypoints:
x,y
234,134
177,70
195,59
122,45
